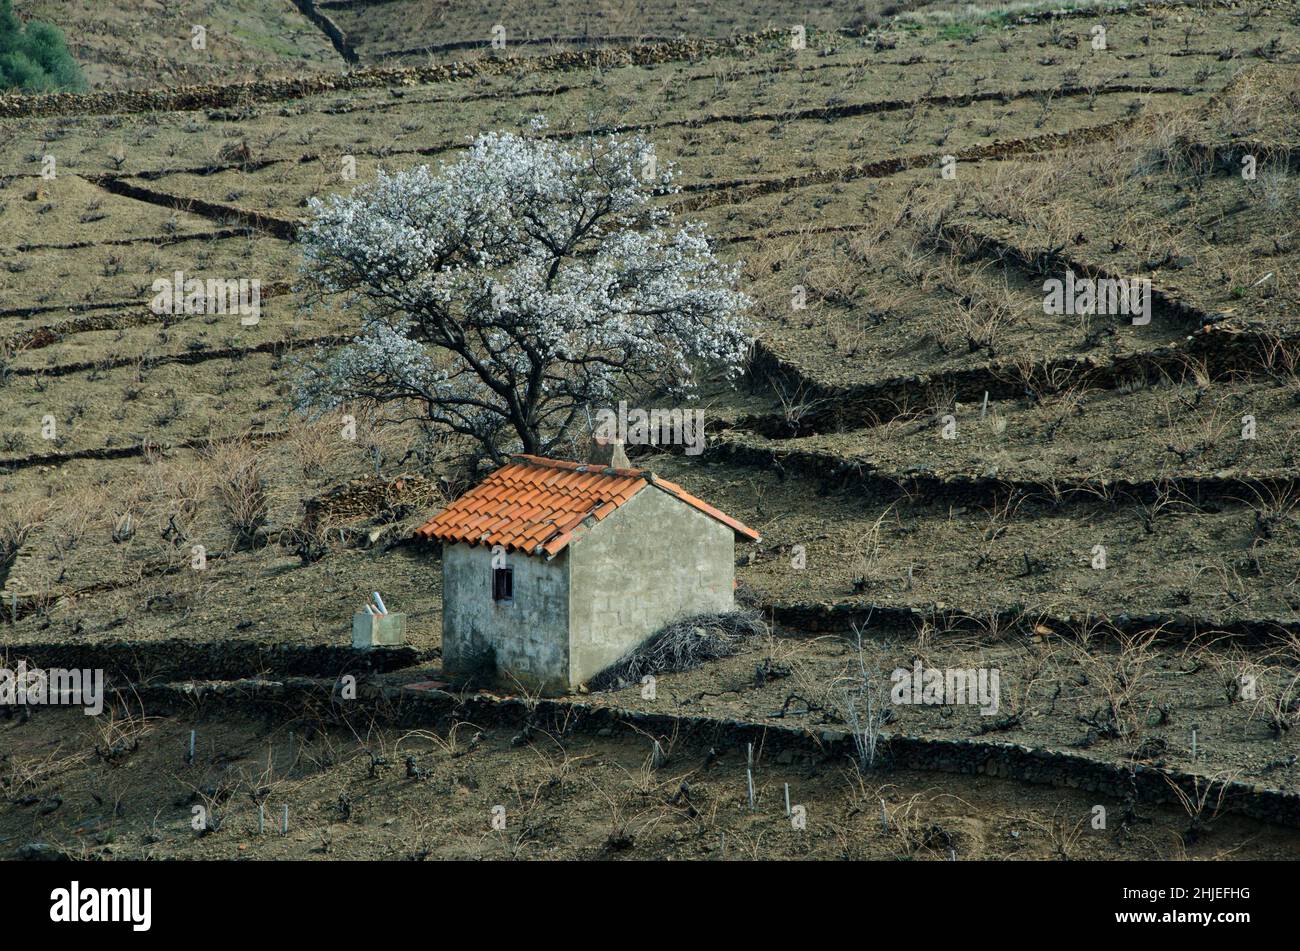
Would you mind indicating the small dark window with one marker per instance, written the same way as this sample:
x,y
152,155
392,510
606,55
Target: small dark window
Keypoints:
x,y
503,584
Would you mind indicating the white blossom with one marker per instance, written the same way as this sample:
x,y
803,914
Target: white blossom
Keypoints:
x,y
520,285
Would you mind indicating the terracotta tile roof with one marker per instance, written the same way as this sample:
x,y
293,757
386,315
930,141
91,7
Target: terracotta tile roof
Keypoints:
x,y
536,506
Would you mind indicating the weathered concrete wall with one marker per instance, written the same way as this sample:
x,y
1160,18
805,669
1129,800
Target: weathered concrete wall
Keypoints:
x,y
652,561
530,633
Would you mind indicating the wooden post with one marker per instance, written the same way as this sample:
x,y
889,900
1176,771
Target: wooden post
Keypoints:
x,y
749,776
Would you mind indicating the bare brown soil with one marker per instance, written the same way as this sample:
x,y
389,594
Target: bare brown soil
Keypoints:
x,y
98,788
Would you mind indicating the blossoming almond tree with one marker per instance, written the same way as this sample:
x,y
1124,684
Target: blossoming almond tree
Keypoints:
x,y
522,286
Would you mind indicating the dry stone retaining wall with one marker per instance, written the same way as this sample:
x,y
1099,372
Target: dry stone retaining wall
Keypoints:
x,y
1126,782
224,95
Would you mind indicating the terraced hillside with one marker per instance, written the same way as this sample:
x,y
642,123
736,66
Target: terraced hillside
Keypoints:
x,y
144,44
942,470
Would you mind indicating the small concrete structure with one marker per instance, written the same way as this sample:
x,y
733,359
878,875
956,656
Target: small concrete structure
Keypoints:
x,y
556,569
378,630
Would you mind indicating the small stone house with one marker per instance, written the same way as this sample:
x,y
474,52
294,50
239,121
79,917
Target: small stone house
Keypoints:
x,y
561,568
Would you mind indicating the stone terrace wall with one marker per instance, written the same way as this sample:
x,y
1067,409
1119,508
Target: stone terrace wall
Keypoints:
x,y
217,95
399,707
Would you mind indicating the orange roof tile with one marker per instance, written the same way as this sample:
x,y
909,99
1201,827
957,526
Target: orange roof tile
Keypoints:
x,y
536,505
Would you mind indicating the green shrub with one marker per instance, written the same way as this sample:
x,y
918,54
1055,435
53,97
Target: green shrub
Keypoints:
x,y
35,59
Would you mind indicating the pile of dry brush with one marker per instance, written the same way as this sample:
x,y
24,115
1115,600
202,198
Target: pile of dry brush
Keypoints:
x,y
683,645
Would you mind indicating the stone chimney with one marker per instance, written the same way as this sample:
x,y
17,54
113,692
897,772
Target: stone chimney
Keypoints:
x,y
608,452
